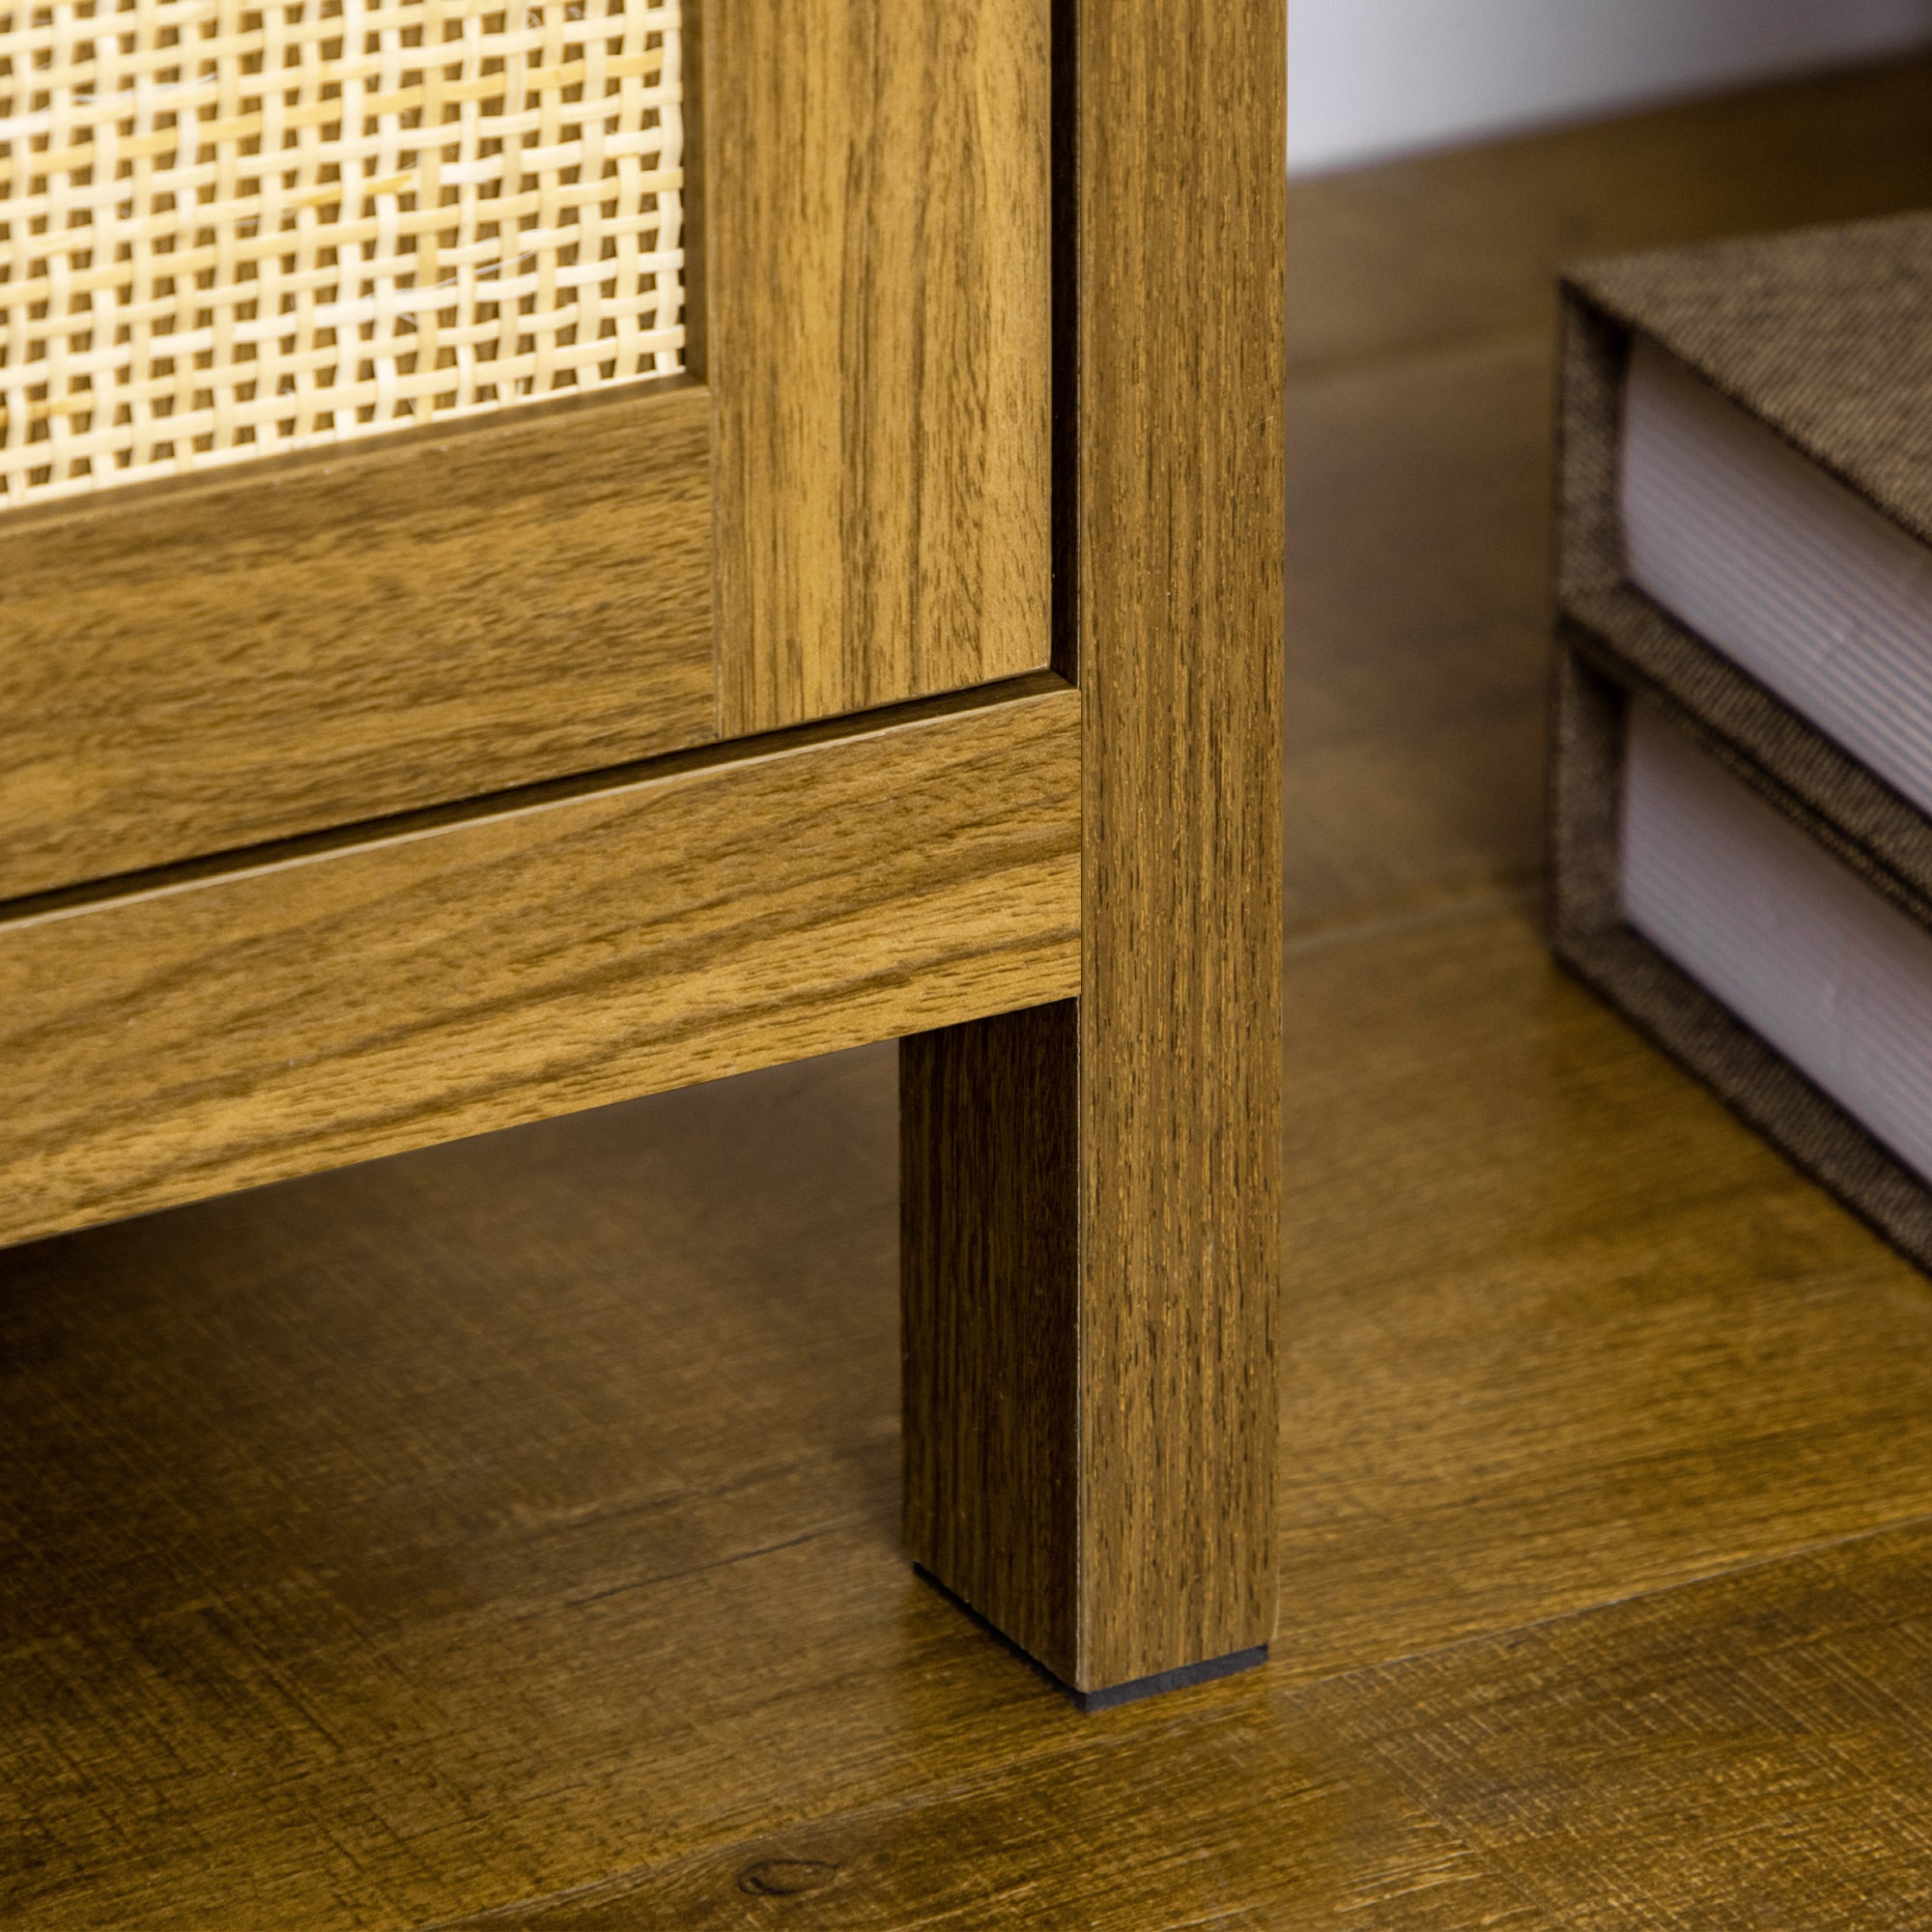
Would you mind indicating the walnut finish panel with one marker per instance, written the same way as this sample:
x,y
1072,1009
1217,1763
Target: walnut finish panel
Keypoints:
x,y
318,641
1151,1314
1182,128
879,334
738,910
989,1268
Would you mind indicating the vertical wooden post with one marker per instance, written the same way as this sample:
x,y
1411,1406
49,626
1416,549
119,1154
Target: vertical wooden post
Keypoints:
x,y
1091,1191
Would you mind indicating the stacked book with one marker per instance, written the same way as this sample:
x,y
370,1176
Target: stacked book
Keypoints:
x,y
1743,776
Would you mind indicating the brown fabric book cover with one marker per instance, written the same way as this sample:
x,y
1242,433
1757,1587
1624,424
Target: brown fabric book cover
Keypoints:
x,y
1824,339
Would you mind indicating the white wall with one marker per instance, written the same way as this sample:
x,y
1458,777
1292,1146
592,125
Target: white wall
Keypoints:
x,y
1369,78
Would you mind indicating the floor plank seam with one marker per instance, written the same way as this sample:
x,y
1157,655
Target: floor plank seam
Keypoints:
x,y
635,1879
1387,921
1516,331
1471,1639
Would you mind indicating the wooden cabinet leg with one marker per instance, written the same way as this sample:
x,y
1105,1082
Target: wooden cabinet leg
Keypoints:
x,y
989,1288
1090,1417
1092,1190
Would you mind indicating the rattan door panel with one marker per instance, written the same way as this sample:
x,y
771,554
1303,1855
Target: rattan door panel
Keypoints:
x,y
232,230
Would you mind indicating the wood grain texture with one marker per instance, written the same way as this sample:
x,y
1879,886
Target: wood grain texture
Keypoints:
x,y
1417,696
1173,1095
514,1524
695,161
757,905
1181,612
419,1538
1562,1330
307,641
1749,1752
1061,1839
989,1247
877,203
537,1494
1417,254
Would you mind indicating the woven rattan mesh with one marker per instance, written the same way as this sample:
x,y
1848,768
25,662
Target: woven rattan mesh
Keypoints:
x,y
230,229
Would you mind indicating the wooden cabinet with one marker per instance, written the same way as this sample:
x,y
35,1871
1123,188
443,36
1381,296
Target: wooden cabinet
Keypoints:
x,y
852,612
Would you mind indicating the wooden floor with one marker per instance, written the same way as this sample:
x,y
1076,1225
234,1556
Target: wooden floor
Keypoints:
x,y
506,1534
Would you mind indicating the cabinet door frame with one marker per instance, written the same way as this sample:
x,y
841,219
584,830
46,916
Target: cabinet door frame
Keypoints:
x,y
840,505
